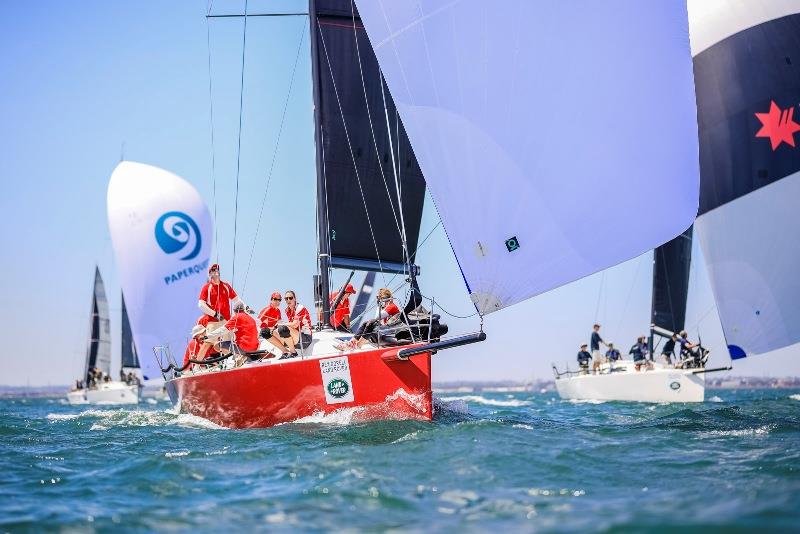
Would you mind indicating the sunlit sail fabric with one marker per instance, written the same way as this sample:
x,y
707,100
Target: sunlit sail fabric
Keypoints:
x,y
545,131
161,231
747,54
98,353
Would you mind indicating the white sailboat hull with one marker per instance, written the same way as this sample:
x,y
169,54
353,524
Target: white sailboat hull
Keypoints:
x,y
107,393
660,384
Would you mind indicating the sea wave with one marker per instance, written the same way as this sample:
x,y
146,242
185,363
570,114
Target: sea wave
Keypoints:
x,y
715,398
478,399
586,401
106,419
383,410
796,397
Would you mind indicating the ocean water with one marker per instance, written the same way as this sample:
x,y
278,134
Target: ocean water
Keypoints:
x,y
498,461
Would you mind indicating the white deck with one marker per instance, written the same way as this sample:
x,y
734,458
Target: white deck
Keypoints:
x,y
621,382
106,393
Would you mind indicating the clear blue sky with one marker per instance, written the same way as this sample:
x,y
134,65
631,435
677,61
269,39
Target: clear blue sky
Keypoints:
x,y
80,80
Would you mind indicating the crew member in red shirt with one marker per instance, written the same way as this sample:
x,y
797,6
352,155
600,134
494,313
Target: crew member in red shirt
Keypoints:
x,y
195,344
387,312
340,317
268,319
299,324
237,336
215,300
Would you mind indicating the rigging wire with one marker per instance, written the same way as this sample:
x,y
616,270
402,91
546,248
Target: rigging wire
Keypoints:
x,y
350,147
213,151
239,145
274,154
369,117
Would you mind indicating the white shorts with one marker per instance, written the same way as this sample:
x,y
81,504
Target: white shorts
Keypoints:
x,y
596,356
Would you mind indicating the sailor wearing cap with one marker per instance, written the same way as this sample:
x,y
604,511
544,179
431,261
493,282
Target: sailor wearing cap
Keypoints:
x,y
584,358
215,300
340,317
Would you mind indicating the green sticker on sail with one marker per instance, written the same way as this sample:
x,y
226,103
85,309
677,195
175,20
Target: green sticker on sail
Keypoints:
x,y
512,243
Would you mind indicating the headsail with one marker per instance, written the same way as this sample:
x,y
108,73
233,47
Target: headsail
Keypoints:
x,y
98,353
671,266
161,231
130,357
362,147
545,130
746,61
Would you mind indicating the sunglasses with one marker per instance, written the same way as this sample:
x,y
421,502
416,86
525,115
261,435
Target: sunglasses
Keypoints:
x,y
289,298
277,300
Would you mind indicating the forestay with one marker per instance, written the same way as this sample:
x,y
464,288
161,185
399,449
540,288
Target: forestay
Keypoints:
x,y
98,353
547,132
748,88
161,231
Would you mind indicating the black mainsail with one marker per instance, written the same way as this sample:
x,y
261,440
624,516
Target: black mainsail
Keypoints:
x,y
130,357
98,352
365,163
671,265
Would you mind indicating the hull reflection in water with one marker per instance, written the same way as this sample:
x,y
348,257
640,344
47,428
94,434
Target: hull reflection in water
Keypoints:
x,y
271,392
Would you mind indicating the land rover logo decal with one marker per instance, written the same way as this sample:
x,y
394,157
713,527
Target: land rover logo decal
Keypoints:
x,y
675,385
338,388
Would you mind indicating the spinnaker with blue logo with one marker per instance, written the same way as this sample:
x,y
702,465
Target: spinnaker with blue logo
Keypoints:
x,y
161,231
747,76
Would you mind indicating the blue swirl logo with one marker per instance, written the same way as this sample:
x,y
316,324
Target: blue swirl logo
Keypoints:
x,y
176,231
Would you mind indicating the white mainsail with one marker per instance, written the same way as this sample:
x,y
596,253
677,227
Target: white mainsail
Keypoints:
x,y
98,352
549,132
161,231
745,62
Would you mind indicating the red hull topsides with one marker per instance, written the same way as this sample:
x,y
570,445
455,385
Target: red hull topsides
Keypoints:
x,y
262,394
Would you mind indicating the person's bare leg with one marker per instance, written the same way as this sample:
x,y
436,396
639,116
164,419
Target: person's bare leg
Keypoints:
x,y
204,350
276,342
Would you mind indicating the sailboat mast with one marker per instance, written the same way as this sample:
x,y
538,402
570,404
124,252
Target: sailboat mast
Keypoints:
x,y
322,199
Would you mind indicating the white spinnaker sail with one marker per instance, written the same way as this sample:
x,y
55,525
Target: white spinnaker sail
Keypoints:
x,y
745,62
549,132
99,350
161,231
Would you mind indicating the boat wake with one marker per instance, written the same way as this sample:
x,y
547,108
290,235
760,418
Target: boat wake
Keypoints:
x,y
388,409
106,419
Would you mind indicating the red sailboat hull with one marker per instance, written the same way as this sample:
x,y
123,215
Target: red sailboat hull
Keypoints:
x,y
374,383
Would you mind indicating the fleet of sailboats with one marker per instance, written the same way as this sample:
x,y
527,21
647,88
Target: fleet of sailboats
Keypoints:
x,y
461,99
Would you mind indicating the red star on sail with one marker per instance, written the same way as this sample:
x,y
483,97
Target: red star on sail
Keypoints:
x,y
778,125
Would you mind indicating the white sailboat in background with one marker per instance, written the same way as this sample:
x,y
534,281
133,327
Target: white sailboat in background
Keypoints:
x,y
747,88
97,386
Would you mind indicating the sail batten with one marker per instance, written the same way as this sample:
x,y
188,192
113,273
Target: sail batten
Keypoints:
x,y
543,148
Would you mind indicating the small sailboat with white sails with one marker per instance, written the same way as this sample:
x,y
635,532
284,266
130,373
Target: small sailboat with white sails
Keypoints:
x,y
97,385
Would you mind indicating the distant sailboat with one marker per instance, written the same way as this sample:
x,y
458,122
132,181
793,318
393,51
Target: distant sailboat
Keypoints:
x,y
97,386
745,54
